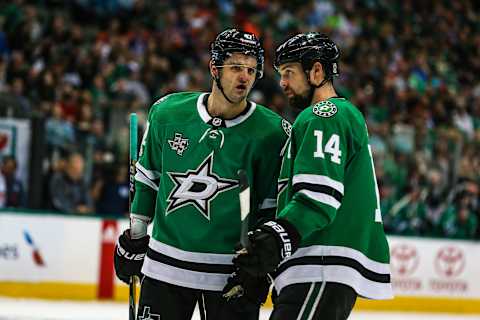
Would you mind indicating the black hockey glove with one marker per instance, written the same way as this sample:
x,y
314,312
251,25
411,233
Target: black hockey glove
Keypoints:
x,y
272,242
244,292
129,256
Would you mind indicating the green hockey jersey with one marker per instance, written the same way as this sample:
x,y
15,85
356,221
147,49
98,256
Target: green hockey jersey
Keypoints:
x,y
328,191
187,182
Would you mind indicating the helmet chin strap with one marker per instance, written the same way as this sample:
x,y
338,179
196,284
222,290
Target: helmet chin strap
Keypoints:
x,y
312,87
324,81
219,85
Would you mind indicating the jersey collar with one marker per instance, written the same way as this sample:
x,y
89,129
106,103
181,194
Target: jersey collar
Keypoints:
x,y
219,122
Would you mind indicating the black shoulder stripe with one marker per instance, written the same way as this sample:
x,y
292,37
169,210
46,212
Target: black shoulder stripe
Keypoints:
x,y
335,261
193,266
318,188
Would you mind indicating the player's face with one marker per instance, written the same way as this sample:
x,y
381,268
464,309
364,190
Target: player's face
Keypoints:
x,y
294,84
238,76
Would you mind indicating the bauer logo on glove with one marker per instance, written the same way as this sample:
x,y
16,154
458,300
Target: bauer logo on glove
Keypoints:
x,y
284,238
128,255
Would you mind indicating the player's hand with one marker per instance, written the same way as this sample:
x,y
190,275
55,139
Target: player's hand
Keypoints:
x,y
129,255
272,242
245,292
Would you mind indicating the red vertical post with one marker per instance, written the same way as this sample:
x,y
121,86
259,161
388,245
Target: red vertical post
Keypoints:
x,y
106,272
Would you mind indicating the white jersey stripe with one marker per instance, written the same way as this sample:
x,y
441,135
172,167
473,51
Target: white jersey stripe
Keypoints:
x,y
319,250
285,146
150,174
240,119
302,310
319,180
317,300
206,117
140,177
322,197
202,111
334,273
188,256
182,277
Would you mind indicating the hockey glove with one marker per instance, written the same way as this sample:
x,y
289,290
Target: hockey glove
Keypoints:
x,y
272,242
244,292
129,255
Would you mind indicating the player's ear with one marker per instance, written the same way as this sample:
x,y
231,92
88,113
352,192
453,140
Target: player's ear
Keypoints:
x,y
316,73
213,69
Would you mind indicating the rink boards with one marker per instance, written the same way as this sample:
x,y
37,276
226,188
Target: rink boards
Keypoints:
x,y
65,257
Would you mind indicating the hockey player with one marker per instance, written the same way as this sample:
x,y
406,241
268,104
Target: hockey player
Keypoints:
x,y
327,244
187,185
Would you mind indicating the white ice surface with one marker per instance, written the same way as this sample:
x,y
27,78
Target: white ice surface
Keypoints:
x,y
27,309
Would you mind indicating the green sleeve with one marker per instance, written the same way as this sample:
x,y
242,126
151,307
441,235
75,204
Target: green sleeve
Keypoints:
x,y
319,154
267,171
148,169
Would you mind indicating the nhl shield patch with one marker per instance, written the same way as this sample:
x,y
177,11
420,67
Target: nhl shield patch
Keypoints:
x,y
325,109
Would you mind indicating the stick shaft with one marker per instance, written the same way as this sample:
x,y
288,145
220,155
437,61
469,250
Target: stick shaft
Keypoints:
x,y
244,197
132,298
132,156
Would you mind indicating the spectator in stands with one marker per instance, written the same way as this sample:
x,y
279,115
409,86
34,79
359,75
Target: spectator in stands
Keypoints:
x,y
22,102
15,194
68,190
435,204
407,216
459,220
387,201
419,92
15,101
111,191
60,133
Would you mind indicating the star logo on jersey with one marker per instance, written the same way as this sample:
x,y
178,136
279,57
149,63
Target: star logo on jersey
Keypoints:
x,y
197,187
148,316
325,109
178,144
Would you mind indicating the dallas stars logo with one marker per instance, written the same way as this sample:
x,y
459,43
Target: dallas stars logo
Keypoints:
x,y
178,144
325,109
287,127
197,187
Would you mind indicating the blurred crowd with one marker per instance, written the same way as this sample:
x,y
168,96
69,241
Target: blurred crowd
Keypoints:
x,y
411,67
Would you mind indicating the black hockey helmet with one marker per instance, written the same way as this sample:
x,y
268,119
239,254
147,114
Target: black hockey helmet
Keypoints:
x,y
307,48
233,40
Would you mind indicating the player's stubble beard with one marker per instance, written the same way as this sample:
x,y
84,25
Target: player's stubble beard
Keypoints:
x,y
300,101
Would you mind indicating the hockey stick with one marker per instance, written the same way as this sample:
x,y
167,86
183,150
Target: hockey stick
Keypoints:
x,y
244,197
132,297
